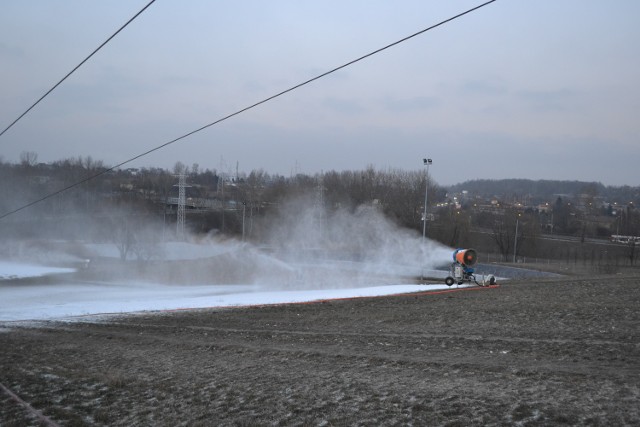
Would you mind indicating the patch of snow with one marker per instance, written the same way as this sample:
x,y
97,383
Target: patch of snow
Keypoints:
x,y
13,270
46,301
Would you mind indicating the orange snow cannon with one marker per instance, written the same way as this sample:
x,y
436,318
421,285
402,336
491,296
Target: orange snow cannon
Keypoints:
x,y
462,271
465,257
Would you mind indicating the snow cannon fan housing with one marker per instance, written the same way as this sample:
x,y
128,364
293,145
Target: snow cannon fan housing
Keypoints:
x,y
465,257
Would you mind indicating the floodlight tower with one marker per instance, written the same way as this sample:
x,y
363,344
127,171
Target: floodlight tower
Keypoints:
x,y
426,162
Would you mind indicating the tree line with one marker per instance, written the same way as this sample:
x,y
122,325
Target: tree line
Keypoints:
x,y
125,201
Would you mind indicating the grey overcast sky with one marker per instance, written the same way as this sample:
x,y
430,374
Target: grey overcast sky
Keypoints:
x,y
538,89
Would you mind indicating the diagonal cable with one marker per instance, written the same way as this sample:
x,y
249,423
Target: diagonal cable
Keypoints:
x,y
76,67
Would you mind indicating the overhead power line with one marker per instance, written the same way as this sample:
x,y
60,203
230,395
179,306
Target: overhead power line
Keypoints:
x,y
292,88
76,67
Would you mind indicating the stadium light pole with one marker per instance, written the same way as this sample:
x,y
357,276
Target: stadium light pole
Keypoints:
x,y
515,242
426,162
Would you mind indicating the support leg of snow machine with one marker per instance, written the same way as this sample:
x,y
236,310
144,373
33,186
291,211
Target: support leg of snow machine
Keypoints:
x,y
487,281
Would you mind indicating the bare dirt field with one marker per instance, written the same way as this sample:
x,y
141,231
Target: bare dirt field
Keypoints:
x,y
538,352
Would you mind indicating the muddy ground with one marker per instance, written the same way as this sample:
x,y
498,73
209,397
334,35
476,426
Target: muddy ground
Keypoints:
x,y
542,352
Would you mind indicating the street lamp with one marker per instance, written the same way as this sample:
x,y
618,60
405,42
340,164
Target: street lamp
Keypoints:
x,y
426,162
515,243
244,209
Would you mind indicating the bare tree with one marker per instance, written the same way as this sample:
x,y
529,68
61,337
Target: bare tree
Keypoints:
x,y
124,236
255,185
504,235
180,168
28,158
147,243
454,225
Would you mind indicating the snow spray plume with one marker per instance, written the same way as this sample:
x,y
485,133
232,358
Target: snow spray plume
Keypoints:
x,y
308,247
363,245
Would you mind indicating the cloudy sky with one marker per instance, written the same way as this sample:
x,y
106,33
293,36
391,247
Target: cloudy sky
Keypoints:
x,y
539,89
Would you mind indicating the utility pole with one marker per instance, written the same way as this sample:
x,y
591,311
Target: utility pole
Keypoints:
x,y
244,209
222,198
515,243
221,187
427,162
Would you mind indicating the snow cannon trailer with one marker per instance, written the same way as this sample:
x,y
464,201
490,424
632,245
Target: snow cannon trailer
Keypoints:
x,y
462,271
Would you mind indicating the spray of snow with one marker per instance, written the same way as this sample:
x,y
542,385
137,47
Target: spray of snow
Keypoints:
x,y
361,241
309,253
12,270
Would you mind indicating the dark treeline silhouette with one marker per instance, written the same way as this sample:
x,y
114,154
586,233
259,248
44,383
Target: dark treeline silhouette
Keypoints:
x,y
544,190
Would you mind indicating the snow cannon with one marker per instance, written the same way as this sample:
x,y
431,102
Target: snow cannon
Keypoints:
x,y
461,270
465,257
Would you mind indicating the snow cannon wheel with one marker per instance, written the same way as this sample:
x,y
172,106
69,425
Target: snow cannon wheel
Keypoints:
x,y
449,281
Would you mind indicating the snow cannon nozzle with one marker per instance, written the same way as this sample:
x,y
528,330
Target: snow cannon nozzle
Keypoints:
x,y
465,257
